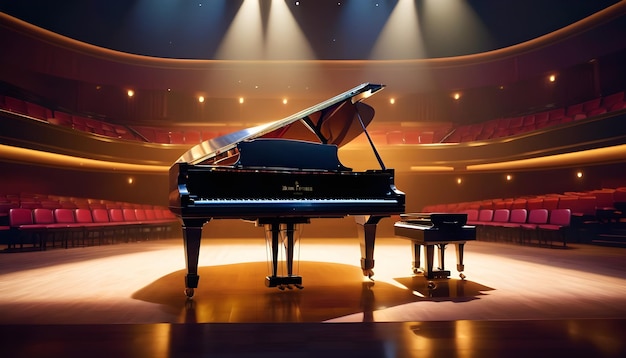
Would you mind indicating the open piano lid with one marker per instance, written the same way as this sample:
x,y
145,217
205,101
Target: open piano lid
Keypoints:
x,y
336,121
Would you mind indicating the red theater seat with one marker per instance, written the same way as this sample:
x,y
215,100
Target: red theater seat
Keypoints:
x,y
15,105
36,111
555,228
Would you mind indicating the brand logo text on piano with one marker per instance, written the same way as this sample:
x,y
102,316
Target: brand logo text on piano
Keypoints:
x,y
297,188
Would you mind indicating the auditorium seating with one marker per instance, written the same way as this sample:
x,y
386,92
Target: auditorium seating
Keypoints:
x,y
33,222
503,127
579,216
433,133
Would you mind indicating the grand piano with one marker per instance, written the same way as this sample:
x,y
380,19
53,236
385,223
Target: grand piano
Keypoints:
x,y
280,175
435,230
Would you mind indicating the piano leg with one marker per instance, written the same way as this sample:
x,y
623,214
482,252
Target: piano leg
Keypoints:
x,y
289,229
192,234
430,257
442,256
459,259
275,230
367,234
417,258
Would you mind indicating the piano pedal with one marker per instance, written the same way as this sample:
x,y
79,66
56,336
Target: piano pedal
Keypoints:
x,y
281,287
289,287
298,286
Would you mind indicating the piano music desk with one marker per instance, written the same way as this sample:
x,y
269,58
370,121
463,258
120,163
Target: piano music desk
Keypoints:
x,y
422,232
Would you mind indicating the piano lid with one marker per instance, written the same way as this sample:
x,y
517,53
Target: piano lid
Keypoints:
x,y
336,121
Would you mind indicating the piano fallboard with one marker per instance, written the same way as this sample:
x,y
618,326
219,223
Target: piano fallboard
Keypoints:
x,y
217,192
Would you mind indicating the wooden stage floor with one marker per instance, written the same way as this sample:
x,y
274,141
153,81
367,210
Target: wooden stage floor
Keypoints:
x,y
127,300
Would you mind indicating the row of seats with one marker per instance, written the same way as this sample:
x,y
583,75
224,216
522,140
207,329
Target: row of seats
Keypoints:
x,y
495,128
46,220
77,122
589,213
504,127
95,126
605,204
44,228
508,126
524,226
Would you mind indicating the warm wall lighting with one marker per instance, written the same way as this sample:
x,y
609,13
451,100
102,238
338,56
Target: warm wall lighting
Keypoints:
x,y
552,78
201,99
579,174
285,101
130,180
130,93
459,180
392,100
456,96
509,177
241,100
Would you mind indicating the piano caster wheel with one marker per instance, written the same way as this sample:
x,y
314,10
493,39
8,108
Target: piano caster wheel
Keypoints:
x,y
462,276
431,285
189,292
369,273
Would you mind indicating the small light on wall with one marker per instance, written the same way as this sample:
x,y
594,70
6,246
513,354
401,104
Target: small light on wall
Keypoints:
x,y
201,99
130,180
285,101
130,93
552,78
579,174
392,100
240,100
459,181
509,177
456,96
